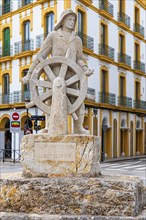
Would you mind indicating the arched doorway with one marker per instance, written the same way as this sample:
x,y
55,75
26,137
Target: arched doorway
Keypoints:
x,y
105,140
124,146
131,138
115,139
8,140
139,138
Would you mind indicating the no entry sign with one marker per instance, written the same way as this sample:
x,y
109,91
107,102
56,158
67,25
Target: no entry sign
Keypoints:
x,y
15,116
15,121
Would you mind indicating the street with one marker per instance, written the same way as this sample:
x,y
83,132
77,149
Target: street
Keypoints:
x,y
135,167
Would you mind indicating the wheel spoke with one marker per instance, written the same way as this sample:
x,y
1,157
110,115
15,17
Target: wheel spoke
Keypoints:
x,y
72,80
49,73
63,70
46,95
72,92
43,83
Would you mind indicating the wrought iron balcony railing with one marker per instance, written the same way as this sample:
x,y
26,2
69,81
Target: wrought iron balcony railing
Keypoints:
x,y
138,28
139,104
15,97
106,51
122,17
88,42
105,97
125,101
39,40
124,58
22,46
7,51
106,6
138,65
6,8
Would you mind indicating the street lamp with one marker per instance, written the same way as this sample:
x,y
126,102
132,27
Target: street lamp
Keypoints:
x,y
26,102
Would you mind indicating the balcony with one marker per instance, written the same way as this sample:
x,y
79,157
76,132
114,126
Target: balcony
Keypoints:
x,y
106,9
6,8
39,40
15,97
105,97
124,20
140,104
88,42
22,46
139,30
106,53
124,60
139,67
125,101
7,51
91,94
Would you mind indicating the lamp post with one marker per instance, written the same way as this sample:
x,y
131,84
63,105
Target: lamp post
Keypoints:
x,y
26,101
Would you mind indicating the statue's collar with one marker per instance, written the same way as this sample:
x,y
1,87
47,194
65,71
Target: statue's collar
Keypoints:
x,y
73,34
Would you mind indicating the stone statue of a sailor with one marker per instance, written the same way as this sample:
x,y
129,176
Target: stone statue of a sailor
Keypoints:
x,y
63,42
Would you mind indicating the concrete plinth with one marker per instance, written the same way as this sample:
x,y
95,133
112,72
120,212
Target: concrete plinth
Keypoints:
x,y
60,156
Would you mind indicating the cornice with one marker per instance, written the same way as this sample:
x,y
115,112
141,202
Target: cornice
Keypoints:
x,y
142,3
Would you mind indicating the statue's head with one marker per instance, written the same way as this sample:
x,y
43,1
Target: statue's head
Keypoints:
x,y
64,15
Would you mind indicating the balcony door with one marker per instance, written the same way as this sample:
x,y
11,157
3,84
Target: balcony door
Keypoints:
x,y
49,22
80,24
103,38
6,7
6,88
6,42
26,36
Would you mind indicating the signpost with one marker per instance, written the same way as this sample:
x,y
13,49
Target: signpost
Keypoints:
x,y
15,125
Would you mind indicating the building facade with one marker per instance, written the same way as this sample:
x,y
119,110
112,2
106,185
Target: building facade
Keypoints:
x,y
114,45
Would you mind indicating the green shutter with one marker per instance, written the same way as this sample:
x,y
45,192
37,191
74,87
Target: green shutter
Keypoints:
x,y
6,48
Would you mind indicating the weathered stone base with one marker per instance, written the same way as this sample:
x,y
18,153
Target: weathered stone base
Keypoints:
x,y
102,196
23,216
60,156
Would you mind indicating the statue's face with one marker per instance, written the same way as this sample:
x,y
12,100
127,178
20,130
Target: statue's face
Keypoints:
x,y
69,22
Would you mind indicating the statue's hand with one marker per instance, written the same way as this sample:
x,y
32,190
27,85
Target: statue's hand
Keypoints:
x,y
25,80
89,72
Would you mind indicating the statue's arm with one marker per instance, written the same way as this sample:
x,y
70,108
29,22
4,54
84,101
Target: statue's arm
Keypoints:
x,y
45,50
80,60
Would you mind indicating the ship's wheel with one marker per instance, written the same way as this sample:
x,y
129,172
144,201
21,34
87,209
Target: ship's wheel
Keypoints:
x,y
42,81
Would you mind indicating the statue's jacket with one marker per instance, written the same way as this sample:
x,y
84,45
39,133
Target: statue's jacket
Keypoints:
x,y
56,44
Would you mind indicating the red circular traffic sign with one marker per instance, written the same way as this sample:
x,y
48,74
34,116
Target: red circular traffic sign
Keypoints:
x,y
15,116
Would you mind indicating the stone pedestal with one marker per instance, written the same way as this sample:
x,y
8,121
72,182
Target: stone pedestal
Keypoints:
x,y
119,196
60,156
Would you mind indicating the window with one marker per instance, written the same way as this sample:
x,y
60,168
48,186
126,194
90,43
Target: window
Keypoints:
x,y
137,52
103,34
122,86
6,7
137,90
6,42
49,22
26,2
6,88
121,44
136,15
104,81
80,22
25,88
26,36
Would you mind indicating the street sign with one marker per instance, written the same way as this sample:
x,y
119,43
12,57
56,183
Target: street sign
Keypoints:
x,y
15,116
15,125
37,118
